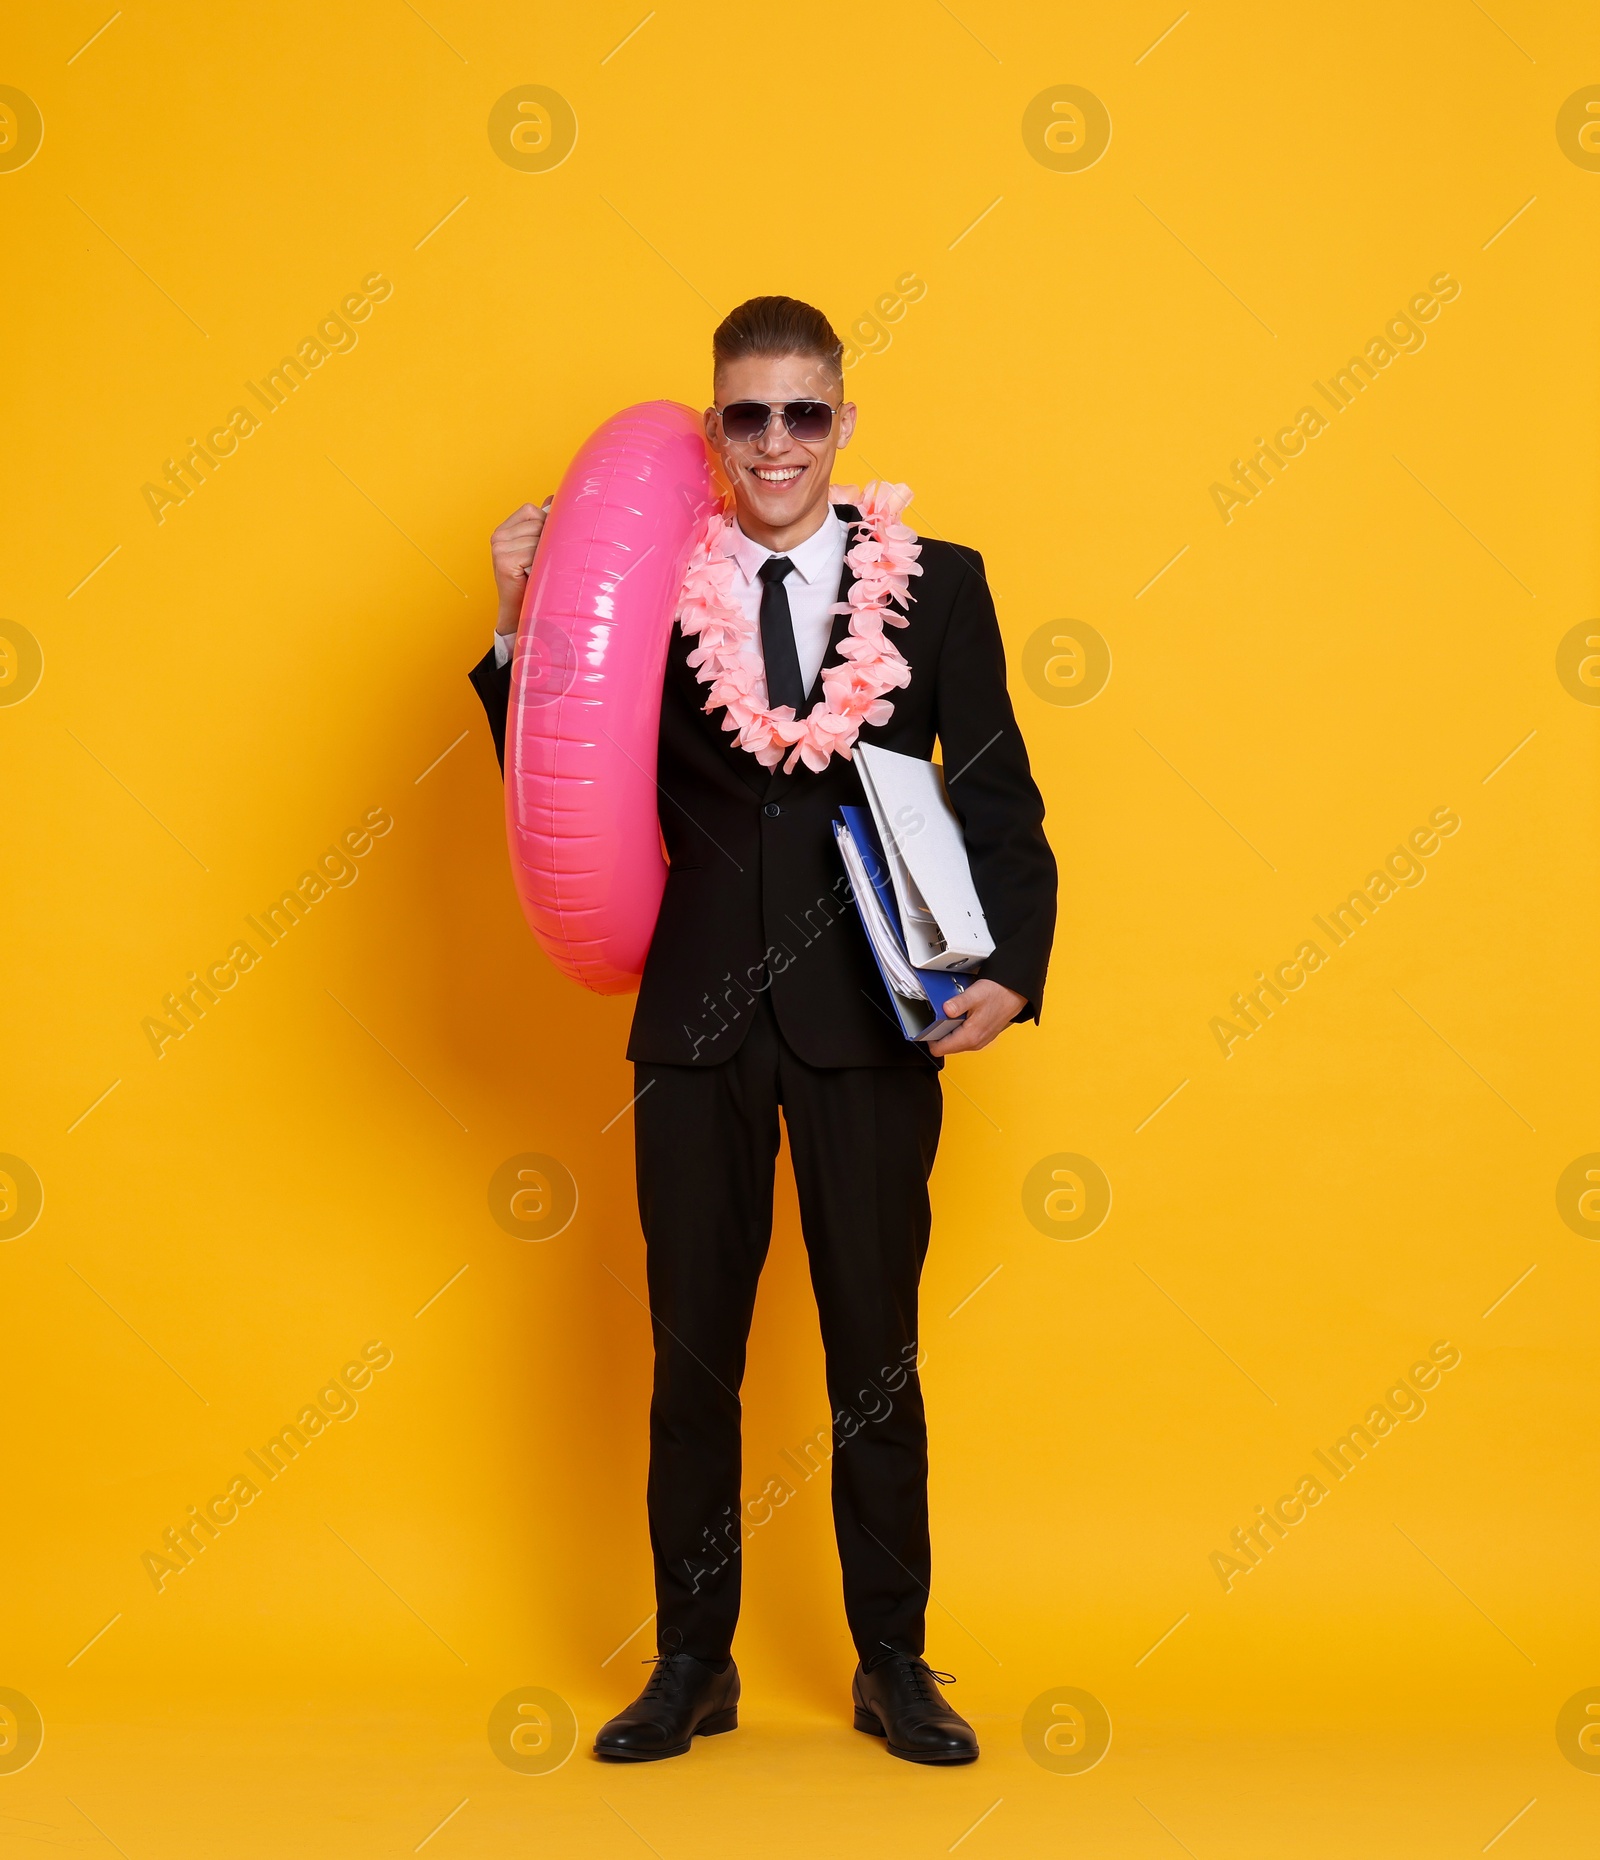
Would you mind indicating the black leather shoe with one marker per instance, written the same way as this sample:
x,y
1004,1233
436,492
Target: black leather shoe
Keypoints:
x,y
684,1699
900,1701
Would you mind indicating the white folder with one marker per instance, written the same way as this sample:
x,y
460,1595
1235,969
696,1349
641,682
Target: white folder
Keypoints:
x,y
927,859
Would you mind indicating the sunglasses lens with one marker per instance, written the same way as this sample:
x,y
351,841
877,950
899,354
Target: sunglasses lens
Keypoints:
x,y
809,420
745,421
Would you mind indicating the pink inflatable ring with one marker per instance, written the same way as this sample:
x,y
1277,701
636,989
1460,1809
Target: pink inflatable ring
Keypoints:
x,y
586,692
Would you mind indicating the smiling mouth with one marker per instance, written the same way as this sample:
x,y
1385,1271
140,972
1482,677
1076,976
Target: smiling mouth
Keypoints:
x,y
776,474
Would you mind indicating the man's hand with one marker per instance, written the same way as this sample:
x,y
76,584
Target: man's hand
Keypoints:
x,y
511,549
979,1013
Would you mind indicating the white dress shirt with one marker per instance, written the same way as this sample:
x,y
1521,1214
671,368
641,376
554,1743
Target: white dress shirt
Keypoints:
x,y
812,587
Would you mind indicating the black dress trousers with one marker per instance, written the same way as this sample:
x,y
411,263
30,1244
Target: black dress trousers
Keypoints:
x,y
862,1140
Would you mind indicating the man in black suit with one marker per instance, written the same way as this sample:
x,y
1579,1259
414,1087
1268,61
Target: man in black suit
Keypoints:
x,y
760,993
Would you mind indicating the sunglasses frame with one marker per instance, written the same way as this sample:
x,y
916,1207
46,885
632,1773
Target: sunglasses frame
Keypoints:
x,y
777,407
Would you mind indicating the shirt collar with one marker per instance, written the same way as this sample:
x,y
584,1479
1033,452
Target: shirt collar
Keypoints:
x,y
818,557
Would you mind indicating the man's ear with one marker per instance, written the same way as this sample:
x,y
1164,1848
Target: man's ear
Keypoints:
x,y
847,423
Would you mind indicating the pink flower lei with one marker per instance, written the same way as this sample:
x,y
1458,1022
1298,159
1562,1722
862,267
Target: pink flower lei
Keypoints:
x,y
728,656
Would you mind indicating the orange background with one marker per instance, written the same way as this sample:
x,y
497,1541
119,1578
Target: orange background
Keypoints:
x,y
1291,693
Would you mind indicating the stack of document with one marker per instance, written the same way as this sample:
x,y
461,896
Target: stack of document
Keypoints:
x,y
917,827
913,888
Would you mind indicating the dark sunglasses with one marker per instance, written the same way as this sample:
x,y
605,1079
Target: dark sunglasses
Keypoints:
x,y
745,421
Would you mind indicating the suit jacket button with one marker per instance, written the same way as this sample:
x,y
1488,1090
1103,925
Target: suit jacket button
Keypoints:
x,y
772,810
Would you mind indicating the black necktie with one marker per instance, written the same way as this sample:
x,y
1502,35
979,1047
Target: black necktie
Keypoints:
x,y
777,637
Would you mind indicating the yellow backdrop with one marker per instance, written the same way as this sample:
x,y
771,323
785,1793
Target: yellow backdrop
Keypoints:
x,y
1255,351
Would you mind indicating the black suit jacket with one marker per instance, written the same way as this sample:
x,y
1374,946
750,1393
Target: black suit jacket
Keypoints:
x,y
757,898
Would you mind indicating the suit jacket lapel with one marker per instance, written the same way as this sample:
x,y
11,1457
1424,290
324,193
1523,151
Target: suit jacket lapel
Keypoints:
x,y
841,627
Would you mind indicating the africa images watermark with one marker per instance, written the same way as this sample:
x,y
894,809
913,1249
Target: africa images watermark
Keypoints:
x,y
727,1538
183,1544
1251,1544
778,958
185,474
866,334
335,869
1400,336
1403,868
826,911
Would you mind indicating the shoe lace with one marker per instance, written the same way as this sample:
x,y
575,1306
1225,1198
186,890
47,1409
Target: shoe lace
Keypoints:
x,y
920,1672
662,1663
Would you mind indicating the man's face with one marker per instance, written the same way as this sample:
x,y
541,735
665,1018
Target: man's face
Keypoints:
x,y
779,481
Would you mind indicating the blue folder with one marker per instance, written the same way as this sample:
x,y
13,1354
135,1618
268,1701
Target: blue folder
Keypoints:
x,y
919,1020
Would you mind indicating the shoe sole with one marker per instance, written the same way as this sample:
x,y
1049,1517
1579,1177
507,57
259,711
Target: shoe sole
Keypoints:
x,y
868,1721
713,1726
